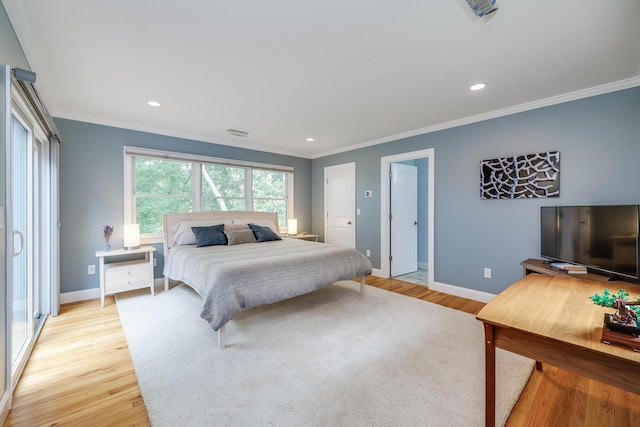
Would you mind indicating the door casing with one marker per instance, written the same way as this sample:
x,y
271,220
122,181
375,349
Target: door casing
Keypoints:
x,y
385,163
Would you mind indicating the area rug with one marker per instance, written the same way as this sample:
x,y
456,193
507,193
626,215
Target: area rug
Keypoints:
x,y
329,358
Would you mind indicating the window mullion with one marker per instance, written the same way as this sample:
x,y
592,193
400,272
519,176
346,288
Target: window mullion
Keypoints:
x,y
248,189
289,192
129,189
196,187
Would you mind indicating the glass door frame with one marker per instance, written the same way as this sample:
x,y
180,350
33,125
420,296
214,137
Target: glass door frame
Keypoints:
x,y
39,265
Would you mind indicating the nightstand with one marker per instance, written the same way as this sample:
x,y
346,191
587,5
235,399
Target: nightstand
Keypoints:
x,y
121,276
310,237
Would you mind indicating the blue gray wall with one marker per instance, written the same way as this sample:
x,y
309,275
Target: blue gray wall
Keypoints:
x,y
10,50
92,185
599,143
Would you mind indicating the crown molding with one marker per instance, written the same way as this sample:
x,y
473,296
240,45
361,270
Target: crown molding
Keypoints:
x,y
546,102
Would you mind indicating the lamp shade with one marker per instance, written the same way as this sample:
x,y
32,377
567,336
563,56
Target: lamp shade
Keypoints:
x,y
292,226
131,236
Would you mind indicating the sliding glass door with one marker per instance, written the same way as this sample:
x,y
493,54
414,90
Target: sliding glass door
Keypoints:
x,y
29,193
29,155
21,323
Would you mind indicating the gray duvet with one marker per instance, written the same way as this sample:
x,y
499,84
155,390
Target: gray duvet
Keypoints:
x,y
233,278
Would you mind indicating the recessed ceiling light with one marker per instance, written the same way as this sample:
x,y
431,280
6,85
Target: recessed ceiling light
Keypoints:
x,y
310,139
478,86
154,103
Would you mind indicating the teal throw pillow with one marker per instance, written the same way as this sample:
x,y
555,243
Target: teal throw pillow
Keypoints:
x,y
210,236
263,234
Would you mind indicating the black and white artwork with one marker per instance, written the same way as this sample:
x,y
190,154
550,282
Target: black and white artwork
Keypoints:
x,y
521,177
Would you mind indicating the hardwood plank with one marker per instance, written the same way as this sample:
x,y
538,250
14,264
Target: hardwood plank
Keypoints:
x,y
81,373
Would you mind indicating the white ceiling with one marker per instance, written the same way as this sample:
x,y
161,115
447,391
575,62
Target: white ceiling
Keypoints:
x,y
347,73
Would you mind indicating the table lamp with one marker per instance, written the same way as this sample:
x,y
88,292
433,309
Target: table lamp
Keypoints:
x,y
292,227
131,236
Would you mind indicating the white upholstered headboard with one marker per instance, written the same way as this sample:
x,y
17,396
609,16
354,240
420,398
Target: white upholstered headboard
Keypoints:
x,y
169,220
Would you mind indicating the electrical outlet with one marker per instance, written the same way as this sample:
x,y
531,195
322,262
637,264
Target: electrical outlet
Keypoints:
x,y
155,261
487,273
368,252
91,269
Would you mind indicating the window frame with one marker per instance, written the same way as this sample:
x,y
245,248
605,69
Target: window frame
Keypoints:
x,y
130,153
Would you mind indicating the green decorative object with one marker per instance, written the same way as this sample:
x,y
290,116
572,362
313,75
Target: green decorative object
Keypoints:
x,y
607,299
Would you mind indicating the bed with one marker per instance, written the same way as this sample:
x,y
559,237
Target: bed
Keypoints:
x,y
238,275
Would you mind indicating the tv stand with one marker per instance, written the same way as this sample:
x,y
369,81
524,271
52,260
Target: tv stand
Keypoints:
x,y
542,266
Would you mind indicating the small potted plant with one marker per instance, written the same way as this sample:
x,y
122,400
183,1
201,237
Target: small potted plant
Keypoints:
x,y
107,231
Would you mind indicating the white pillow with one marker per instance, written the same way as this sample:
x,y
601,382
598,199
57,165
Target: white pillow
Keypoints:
x,y
184,234
262,222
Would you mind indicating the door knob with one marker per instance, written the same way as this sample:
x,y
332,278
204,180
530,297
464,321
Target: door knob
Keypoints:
x,y
349,223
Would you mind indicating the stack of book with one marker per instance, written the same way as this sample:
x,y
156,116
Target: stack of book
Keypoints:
x,y
570,268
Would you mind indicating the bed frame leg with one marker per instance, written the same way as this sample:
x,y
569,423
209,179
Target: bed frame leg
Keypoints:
x,y
166,283
221,343
362,283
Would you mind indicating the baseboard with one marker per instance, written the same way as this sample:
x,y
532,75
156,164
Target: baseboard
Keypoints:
x,y
5,405
83,295
423,265
462,292
94,293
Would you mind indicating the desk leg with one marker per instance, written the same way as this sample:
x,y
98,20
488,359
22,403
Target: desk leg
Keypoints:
x,y
490,376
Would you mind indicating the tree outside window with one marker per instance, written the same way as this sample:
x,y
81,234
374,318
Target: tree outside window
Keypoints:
x,y
161,186
223,188
270,193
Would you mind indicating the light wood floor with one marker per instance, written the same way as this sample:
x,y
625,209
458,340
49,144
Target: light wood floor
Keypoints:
x,y
81,374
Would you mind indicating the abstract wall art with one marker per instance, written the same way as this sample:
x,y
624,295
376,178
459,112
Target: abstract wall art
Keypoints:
x,y
521,177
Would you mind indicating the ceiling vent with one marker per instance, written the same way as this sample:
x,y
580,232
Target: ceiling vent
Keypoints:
x,y
480,8
236,132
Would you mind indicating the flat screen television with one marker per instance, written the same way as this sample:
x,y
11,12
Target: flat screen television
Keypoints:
x,y
602,238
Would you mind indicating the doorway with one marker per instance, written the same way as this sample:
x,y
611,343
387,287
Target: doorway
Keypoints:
x,y
403,217
426,203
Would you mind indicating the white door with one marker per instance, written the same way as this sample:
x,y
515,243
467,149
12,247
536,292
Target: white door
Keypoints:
x,y
340,204
404,219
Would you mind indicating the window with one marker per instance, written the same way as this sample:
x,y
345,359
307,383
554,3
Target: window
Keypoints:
x,y
158,182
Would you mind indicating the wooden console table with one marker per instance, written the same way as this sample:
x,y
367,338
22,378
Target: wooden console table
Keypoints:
x,y
549,318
